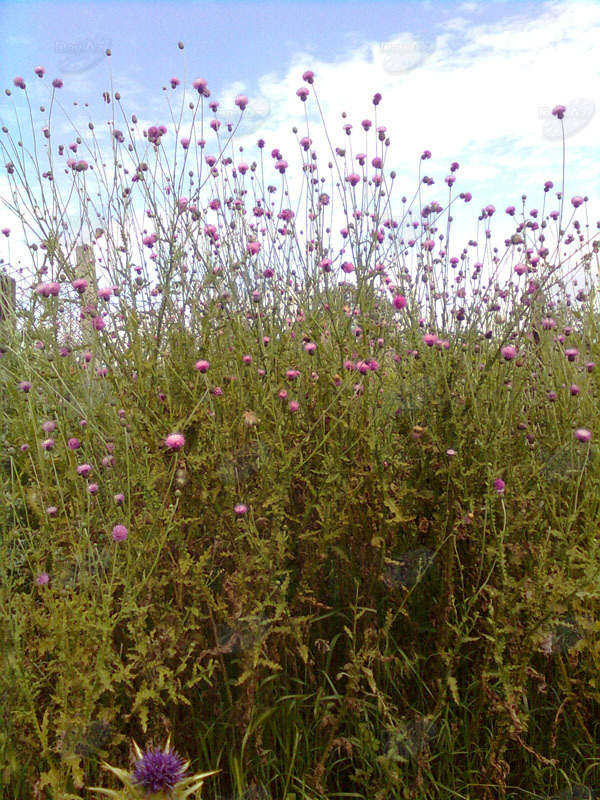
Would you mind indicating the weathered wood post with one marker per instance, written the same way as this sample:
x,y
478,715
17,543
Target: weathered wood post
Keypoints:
x,y
8,297
86,269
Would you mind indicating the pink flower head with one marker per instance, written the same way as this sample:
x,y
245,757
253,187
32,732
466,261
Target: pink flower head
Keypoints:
x,y
6,231
583,435
200,85
19,82
308,76
25,386
73,444
559,111
240,509
84,469
572,353
175,82
202,366
509,352
57,83
499,485
302,93
241,101
42,579
39,71
253,248
577,201
430,339
399,301
175,441
120,533
80,285
294,405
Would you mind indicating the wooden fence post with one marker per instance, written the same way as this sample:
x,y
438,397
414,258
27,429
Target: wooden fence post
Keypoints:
x,y
8,297
86,269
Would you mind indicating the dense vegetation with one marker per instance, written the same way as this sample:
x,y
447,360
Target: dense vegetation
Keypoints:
x,y
305,503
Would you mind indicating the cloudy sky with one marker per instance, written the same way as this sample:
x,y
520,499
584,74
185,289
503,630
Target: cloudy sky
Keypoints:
x,y
473,82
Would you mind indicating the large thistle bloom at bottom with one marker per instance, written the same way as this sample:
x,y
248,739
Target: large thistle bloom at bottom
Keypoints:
x,y
157,775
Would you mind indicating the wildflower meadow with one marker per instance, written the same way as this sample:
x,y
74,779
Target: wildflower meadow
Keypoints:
x,y
300,496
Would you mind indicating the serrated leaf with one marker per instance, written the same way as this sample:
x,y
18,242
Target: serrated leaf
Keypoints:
x,y
453,689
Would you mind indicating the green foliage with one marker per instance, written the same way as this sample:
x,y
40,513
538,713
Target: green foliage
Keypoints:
x,y
380,621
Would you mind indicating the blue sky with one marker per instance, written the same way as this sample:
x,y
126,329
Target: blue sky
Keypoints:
x,y
227,41
473,82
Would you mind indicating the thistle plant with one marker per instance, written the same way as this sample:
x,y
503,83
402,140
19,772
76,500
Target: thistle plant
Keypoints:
x,y
157,774
294,479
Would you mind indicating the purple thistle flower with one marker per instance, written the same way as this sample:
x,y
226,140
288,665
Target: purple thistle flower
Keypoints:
x,y
583,435
120,533
509,352
158,770
175,441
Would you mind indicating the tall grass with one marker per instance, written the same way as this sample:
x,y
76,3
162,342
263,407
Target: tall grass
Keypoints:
x,y
335,542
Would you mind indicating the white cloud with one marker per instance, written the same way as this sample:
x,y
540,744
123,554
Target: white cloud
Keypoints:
x,y
473,92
